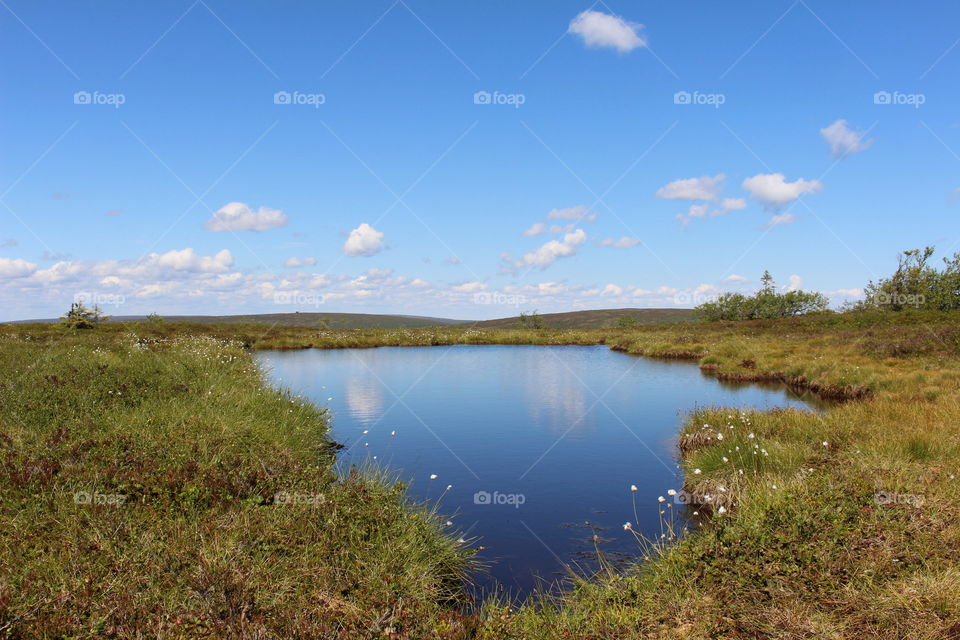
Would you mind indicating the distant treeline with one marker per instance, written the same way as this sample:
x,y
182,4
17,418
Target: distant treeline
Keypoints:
x,y
916,284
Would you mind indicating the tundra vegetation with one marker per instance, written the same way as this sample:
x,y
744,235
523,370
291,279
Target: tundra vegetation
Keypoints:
x,y
767,303
154,486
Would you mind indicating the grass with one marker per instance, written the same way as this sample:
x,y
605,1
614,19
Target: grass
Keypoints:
x,y
843,524
158,488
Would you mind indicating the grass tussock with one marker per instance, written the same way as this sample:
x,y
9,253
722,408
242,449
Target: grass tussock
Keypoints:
x,y
158,488
840,524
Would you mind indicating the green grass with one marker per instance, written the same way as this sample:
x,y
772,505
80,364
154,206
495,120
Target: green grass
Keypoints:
x,y
842,524
197,449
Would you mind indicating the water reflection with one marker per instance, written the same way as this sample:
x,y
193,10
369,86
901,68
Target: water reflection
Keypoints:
x,y
568,429
364,398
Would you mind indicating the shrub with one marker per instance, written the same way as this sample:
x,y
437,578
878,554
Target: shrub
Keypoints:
x,y
764,304
80,317
916,284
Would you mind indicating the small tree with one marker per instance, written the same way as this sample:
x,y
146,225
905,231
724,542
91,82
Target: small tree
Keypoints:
x,y
627,321
916,284
154,318
767,302
531,320
80,317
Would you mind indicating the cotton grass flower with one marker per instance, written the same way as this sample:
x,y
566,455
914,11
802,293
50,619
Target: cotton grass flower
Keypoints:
x,y
671,492
697,471
433,476
661,499
722,509
633,488
627,526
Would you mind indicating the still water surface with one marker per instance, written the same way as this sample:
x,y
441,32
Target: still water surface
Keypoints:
x,y
541,444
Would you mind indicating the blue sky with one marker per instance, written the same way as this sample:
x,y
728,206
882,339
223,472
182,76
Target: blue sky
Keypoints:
x,y
387,184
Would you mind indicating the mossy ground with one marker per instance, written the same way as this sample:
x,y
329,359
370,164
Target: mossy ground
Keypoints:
x,y
843,524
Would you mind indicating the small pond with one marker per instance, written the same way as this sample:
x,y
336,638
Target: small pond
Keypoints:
x,y
540,444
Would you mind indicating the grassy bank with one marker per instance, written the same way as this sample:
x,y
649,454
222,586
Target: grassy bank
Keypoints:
x,y
159,489
843,524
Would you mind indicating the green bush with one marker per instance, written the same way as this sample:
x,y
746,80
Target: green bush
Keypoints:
x,y
766,303
916,284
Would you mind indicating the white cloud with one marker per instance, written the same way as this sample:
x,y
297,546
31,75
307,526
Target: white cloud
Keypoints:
x,y
612,290
537,229
182,260
363,241
540,228
578,212
16,268
734,279
604,30
295,262
851,293
237,216
551,288
379,274
702,188
795,282
703,210
843,140
695,211
551,251
623,243
733,204
781,219
773,191
469,287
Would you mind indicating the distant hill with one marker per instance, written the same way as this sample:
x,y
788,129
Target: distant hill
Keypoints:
x,y
596,318
593,319
331,320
